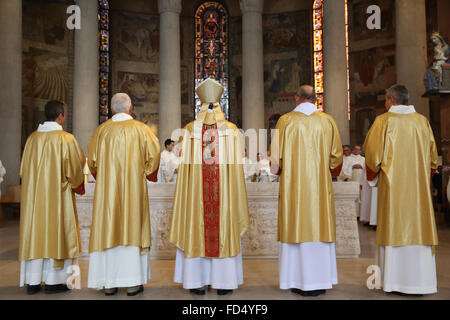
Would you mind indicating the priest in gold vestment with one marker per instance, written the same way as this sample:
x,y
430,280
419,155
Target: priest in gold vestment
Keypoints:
x,y
309,153
123,154
210,211
401,157
51,171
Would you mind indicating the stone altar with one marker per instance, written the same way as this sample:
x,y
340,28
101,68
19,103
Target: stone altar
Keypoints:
x,y
260,240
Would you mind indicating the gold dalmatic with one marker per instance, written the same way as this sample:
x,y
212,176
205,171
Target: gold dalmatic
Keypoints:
x,y
309,148
210,210
51,170
400,148
121,156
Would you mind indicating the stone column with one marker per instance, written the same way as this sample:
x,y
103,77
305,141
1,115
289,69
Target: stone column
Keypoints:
x,y
335,66
411,50
10,88
86,74
252,65
169,68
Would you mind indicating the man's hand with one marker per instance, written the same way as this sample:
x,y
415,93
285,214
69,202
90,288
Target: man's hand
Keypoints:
x,y
357,166
175,171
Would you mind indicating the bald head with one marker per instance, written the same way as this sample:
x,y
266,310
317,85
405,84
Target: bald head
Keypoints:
x,y
306,93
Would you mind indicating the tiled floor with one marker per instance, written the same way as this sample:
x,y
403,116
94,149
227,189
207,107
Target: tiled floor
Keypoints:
x,y
260,276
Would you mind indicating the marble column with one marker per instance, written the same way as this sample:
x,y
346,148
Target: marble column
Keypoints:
x,y
252,64
10,88
335,66
86,74
169,68
411,50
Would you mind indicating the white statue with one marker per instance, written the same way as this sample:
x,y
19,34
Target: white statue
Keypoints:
x,y
2,174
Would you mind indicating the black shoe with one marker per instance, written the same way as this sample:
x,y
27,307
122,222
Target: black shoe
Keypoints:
x,y
199,291
33,289
132,293
367,224
56,288
222,292
111,292
407,294
313,293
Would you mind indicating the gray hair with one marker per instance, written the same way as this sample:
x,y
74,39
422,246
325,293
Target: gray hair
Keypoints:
x,y
400,94
121,102
307,92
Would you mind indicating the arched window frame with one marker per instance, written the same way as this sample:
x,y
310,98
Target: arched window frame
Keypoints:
x,y
202,59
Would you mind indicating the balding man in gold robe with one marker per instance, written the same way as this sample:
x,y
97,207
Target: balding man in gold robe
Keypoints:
x,y
309,153
210,211
401,157
52,172
123,154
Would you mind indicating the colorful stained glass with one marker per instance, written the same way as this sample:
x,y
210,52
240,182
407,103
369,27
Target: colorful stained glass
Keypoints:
x,y
103,43
211,49
318,51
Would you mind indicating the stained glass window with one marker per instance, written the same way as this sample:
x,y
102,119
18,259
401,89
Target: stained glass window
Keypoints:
x,y
211,49
318,51
103,27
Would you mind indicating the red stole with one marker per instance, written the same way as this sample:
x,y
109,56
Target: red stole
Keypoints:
x,y
211,190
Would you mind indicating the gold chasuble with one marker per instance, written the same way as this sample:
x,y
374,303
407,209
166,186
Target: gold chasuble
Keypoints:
x,y
51,171
210,210
401,150
309,147
122,155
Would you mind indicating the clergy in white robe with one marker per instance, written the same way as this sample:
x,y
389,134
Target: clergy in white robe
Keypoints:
x,y
358,163
249,169
401,157
368,208
51,172
309,148
168,165
123,154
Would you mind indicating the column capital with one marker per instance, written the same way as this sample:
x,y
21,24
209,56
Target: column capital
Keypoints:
x,y
252,6
169,6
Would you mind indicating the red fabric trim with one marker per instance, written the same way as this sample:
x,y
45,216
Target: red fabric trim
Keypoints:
x,y
336,171
154,176
95,176
371,175
433,171
211,191
80,189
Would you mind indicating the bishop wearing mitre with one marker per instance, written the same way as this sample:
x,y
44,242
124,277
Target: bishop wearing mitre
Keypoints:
x,y
401,157
308,154
52,172
210,210
123,154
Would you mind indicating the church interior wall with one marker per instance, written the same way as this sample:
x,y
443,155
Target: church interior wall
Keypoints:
x,y
372,64
47,62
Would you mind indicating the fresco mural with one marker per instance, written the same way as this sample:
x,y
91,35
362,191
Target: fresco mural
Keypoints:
x,y
142,88
287,60
136,37
45,61
372,64
358,18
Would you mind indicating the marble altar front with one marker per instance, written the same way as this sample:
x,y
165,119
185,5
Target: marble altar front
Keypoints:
x,y
260,240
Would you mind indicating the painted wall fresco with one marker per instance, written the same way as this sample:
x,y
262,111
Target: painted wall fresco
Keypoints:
x,y
287,60
372,64
46,61
136,37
